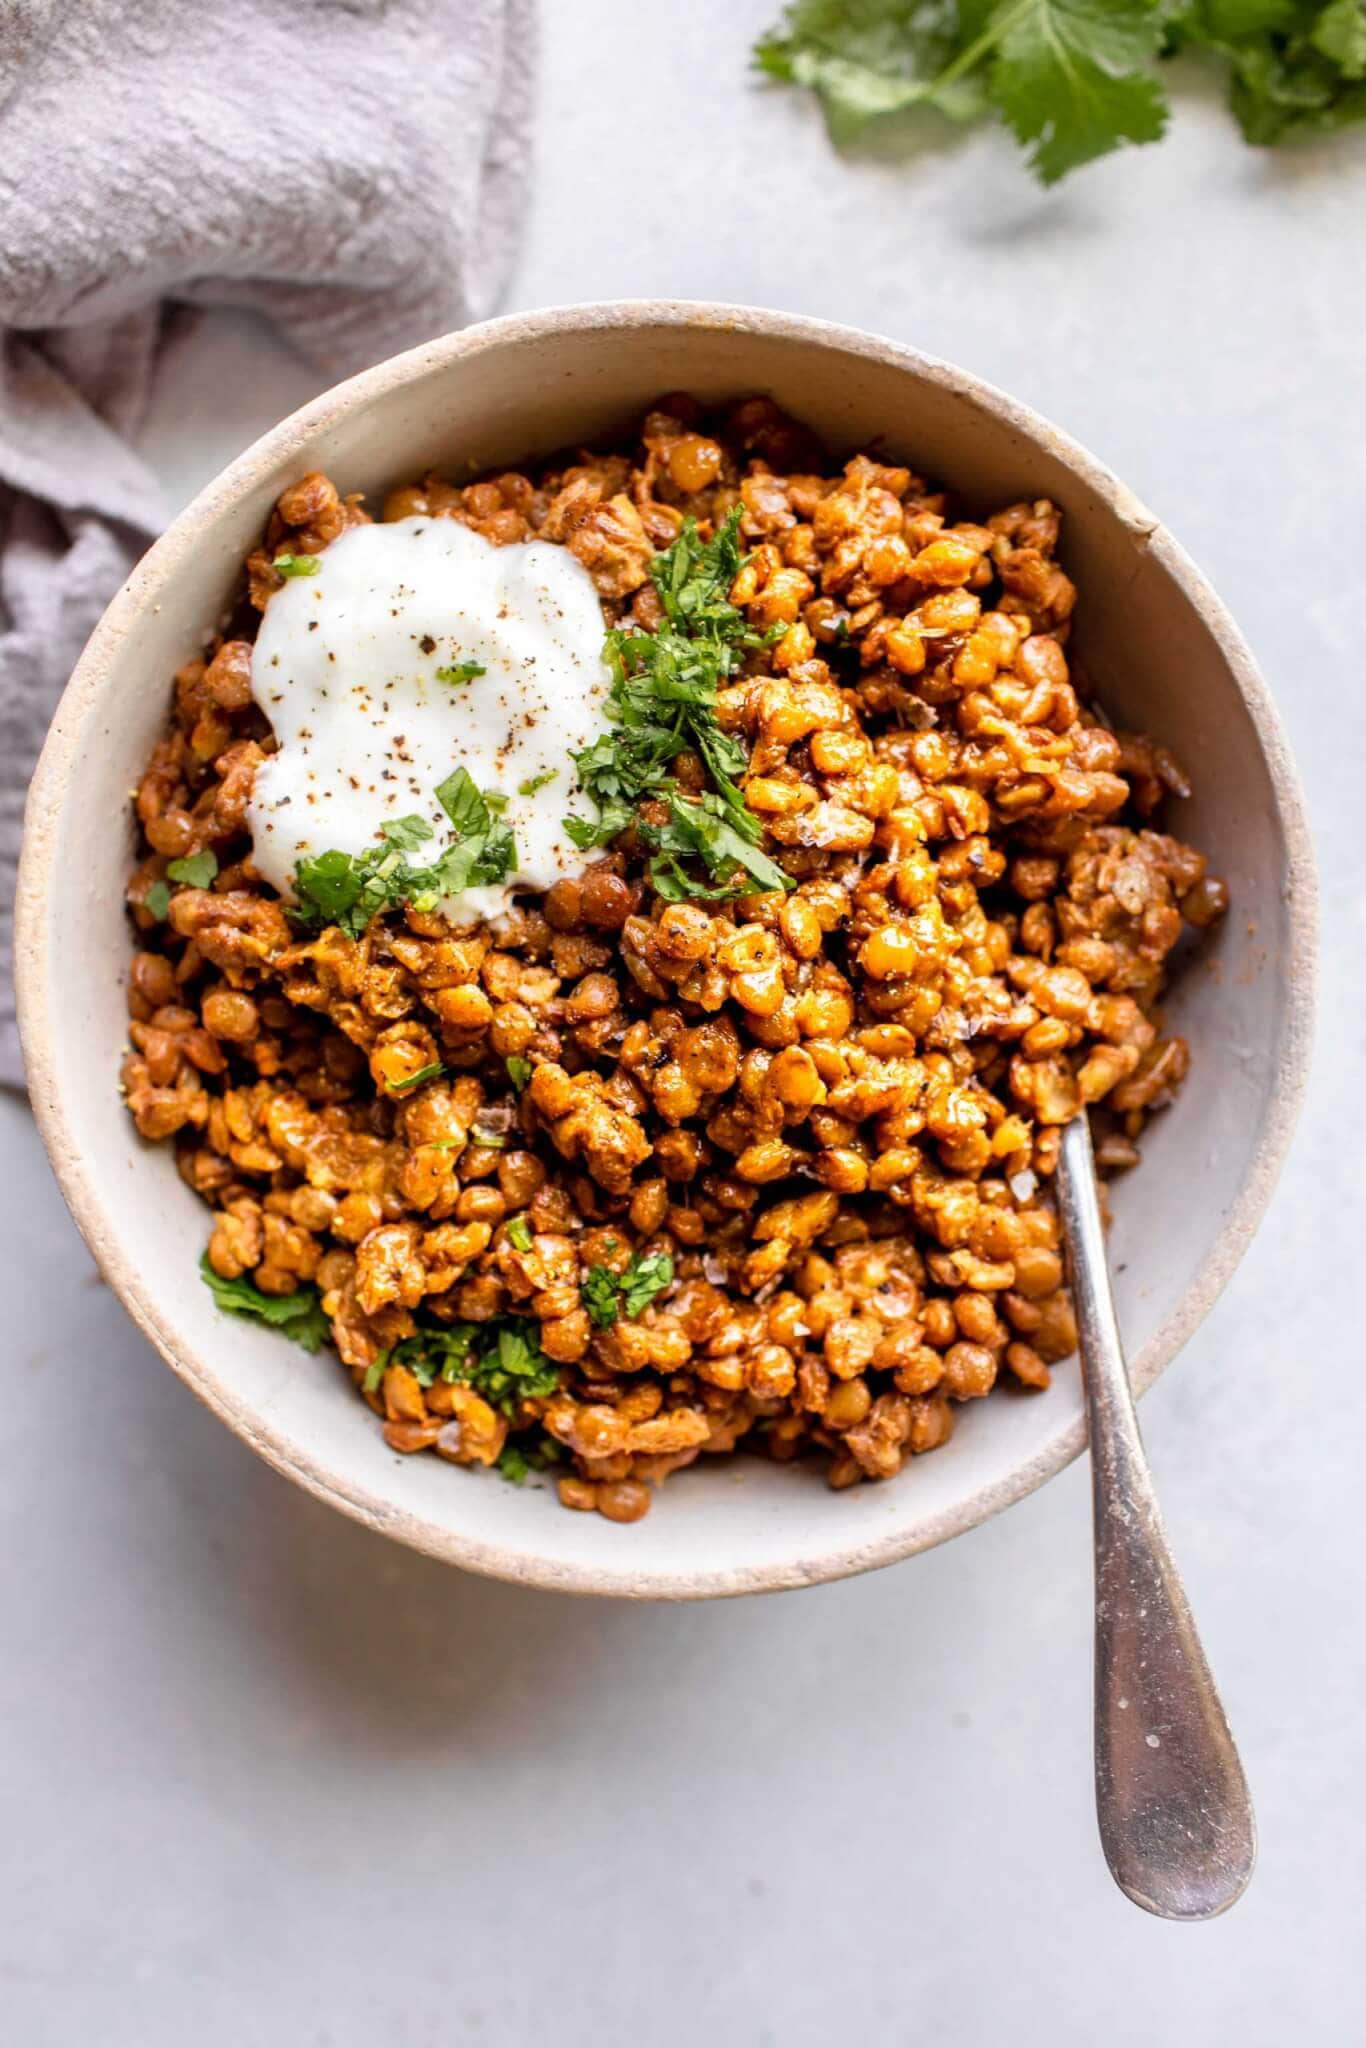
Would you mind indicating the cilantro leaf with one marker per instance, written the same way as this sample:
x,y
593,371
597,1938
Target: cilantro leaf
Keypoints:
x,y
329,886
461,671
486,857
1068,76
518,1369
524,1454
502,1360
607,1295
708,829
1272,97
437,1352
459,798
298,1316
1340,34
1232,19
614,815
198,869
1297,68
349,889
406,833
156,901
535,782
868,58
297,565
643,1279
693,578
598,1293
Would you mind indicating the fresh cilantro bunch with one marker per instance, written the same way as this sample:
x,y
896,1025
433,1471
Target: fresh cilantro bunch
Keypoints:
x,y
298,1316
1072,79
607,1295
1296,67
662,704
348,889
501,1360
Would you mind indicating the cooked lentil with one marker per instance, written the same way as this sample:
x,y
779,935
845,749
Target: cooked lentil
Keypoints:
x,y
834,1112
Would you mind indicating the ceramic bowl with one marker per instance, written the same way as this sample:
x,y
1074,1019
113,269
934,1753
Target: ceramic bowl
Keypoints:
x,y
1167,659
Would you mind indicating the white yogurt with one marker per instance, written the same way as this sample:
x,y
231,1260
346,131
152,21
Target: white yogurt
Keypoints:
x,y
345,668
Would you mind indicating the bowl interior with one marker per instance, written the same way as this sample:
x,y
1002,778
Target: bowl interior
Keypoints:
x,y
1165,659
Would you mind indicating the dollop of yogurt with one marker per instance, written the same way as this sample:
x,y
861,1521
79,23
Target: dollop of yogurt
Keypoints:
x,y
347,667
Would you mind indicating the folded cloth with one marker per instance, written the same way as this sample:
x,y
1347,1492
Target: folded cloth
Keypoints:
x,y
353,168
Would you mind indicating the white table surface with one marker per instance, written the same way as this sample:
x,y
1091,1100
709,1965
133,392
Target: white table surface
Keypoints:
x,y
270,1780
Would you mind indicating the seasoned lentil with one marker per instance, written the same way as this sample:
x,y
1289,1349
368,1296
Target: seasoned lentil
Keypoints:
x,y
835,1111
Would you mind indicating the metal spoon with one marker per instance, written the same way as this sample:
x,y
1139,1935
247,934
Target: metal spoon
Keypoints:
x,y
1175,1817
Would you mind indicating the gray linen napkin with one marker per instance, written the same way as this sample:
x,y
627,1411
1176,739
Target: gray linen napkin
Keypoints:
x,y
353,168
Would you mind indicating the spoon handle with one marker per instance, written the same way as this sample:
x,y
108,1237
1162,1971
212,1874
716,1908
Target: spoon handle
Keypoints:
x,y
1175,1817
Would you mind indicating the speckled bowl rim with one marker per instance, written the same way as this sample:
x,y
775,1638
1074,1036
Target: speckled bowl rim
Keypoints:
x,y
157,570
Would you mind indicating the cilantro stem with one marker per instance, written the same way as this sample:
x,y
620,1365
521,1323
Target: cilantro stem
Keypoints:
x,y
999,26
410,1081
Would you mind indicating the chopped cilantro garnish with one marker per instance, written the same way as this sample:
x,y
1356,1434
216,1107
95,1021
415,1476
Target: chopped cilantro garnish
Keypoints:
x,y
349,889
459,798
519,1233
598,1294
501,1360
298,1316
157,901
517,1369
519,1070
461,671
411,1081
198,869
407,834
535,782
607,1295
527,1454
511,1463
723,836
662,704
297,565
643,1280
